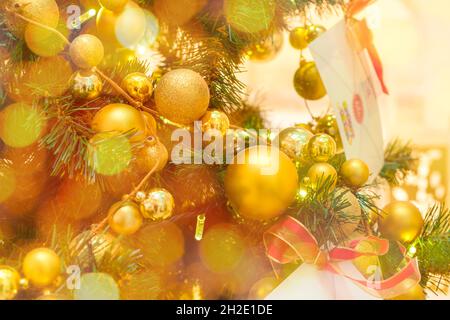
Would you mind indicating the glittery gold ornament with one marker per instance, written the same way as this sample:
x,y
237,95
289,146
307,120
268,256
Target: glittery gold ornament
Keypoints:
x,y
401,221
138,86
308,83
182,96
261,183
321,147
215,120
313,32
298,38
415,293
152,152
42,11
125,218
86,85
120,118
267,49
86,51
113,5
322,174
158,205
41,267
355,172
9,283
294,142
328,124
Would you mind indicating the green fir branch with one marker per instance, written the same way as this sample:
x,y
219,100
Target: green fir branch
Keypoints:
x,y
398,161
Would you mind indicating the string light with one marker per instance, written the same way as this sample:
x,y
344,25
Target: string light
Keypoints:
x,y
83,18
200,227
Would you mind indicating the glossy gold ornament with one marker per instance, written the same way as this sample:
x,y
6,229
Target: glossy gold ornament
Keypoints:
x,y
328,124
267,49
262,288
41,267
355,172
113,5
182,96
350,216
158,205
308,83
313,32
86,85
125,218
86,51
294,143
153,152
120,118
366,265
415,293
321,147
401,221
215,120
298,38
322,174
261,183
138,86
9,283
45,42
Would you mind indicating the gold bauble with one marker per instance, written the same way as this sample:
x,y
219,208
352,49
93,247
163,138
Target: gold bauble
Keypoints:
x,y
97,286
113,5
152,152
53,297
308,83
106,28
261,183
401,221
321,147
150,124
262,288
182,96
44,42
158,205
120,118
322,174
88,245
86,51
86,85
313,32
41,267
125,218
294,142
266,49
9,283
415,293
298,38
215,120
138,86
367,265
355,172
45,12
350,216
328,124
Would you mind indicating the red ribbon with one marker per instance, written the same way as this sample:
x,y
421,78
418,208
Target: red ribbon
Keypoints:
x,y
289,240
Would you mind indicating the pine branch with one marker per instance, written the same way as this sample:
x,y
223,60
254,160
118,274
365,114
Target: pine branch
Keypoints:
x,y
398,161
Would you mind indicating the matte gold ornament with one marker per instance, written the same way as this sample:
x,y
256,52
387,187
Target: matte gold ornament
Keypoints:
x,y
321,147
150,124
262,184
86,85
113,5
366,265
294,143
308,83
351,215
415,293
120,118
313,32
152,152
355,172
298,38
138,86
322,174
158,205
125,218
215,120
182,96
41,267
9,283
86,51
45,42
328,124
267,49
401,221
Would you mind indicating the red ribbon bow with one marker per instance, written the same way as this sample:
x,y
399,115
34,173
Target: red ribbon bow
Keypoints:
x,y
289,240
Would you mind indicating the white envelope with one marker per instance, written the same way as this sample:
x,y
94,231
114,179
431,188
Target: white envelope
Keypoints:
x,y
353,89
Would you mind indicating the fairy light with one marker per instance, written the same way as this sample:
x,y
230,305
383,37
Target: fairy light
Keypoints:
x,y
412,251
83,18
200,227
